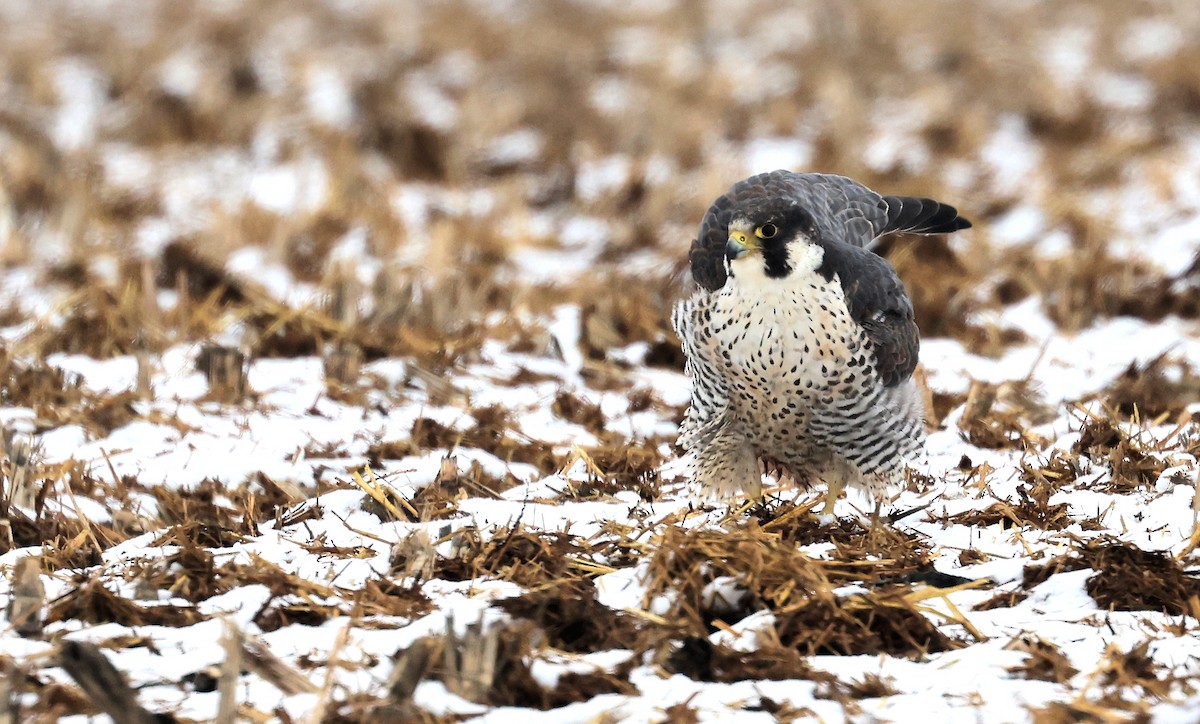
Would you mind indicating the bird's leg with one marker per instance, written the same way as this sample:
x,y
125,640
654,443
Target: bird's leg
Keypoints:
x,y
834,487
875,514
725,461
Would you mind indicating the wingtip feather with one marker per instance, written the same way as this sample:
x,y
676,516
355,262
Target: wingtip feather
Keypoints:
x,y
913,215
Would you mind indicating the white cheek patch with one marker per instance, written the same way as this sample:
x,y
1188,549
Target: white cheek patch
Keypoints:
x,y
804,257
750,271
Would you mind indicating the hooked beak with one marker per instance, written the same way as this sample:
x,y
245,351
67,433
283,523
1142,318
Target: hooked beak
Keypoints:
x,y
739,244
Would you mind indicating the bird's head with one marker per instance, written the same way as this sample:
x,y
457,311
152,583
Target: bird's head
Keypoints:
x,y
778,237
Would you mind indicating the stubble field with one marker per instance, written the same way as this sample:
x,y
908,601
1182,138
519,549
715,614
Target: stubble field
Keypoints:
x,y
338,381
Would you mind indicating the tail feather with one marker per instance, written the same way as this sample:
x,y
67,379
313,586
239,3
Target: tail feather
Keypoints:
x,y
911,215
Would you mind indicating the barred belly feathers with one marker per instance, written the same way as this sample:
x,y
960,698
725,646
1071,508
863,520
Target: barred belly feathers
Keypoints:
x,y
800,340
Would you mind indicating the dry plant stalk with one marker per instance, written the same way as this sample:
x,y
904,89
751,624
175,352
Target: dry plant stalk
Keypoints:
x,y
853,52
379,491
1045,661
343,363
232,642
151,327
225,370
290,489
326,690
447,473
1196,506
439,388
417,554
102,683
469,662
342,303
8,224
145,370
25,610
9,707
411,666
256,657
21,462
1193,540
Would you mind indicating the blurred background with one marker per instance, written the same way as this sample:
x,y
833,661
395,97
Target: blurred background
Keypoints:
x,y
426,165
477,213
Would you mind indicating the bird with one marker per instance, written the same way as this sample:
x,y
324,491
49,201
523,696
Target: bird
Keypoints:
x,y
799,339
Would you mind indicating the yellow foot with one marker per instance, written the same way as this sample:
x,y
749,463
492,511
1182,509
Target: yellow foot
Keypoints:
x,y
834,490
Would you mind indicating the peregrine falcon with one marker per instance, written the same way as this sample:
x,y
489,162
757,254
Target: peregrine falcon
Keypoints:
x,y
800,340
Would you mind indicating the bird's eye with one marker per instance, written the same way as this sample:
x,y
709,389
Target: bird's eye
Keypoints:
x,y
766,231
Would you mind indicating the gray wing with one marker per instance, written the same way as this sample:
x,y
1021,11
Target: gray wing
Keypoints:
x,y
845,211
877,301
914,215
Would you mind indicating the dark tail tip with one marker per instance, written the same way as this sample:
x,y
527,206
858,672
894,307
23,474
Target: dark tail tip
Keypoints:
x,y
911,215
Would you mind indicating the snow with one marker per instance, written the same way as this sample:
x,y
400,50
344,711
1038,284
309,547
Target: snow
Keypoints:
x,y
522,146
1151,39
329,98
81,90
1068,55
231,444
1020,225
1012,155
769,154
182,73
290,188
295,431
600,176
430,102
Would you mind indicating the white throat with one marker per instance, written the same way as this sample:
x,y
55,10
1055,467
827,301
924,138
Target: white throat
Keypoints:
x,y
749,273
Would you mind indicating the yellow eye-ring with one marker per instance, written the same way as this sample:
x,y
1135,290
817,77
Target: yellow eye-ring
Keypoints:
x,y
766,231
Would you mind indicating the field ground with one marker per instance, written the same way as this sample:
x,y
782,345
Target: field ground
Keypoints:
x,y
338,382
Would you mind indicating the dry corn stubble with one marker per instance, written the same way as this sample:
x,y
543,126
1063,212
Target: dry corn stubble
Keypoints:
x,y
555,70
